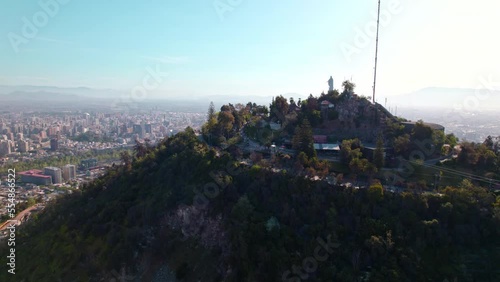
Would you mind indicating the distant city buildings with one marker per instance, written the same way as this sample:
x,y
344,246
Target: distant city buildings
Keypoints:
x,y
148,128
35,176
54,145
5,147
69,172
139,129
55,173
50,175
88,163
23,146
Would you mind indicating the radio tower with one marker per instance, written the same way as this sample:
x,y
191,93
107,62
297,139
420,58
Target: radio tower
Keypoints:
x,y
376,53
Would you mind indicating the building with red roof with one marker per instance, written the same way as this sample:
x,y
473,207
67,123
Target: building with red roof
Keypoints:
x,y
35,176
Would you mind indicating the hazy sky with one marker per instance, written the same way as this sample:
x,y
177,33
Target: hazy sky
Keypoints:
x,y
249,47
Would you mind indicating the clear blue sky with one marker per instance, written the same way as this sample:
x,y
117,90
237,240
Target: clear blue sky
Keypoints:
x,y
257,47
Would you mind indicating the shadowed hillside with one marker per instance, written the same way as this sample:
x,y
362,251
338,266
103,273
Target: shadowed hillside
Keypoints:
x,y
188,208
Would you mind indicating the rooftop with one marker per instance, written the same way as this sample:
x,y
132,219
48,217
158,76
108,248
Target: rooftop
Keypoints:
x,y
34,172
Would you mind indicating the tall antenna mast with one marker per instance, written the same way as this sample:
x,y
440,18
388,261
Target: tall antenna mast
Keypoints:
x,y
376,53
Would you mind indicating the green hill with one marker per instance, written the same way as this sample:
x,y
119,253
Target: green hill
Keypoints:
x,y
185,207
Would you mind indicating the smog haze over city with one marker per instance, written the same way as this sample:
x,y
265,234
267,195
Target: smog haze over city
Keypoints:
x,y
203,50
356,95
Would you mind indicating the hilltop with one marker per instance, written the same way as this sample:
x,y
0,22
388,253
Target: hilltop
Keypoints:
x,y
224,204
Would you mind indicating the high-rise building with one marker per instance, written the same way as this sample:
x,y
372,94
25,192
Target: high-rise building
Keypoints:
x,y
35,138
53,131
5,148
69,172
23,146
55,173
139,129
54,145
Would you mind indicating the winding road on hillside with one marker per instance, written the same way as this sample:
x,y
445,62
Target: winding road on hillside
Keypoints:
x,y
19,218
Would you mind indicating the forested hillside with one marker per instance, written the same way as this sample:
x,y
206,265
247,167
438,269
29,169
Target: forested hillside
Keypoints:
x,y
209,217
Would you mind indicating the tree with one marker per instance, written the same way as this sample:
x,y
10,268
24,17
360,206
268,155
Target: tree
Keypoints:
x,y
451,139
350,149
263,110
211,112
393,129
148,144
438,138
127,160
375,192
279,108
487,158
402,144
209,129
378,154
348,87
242,210
333,95
140,149
363,167
488,142
303,139
468,154
226,122
421,132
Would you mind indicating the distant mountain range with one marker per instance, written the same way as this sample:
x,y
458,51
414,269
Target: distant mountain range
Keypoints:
x,y
428,98
39,95
51,94
60,91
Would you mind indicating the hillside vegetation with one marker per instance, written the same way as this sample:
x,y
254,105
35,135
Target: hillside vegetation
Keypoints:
x,y
209,217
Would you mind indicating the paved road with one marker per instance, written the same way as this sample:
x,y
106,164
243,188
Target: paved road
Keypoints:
x,y
18,217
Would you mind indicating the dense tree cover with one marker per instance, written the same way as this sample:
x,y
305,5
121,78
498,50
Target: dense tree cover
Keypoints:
x,y
303,139
481,158
223,128
422,142
266,226
310,110
493,143
82,234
